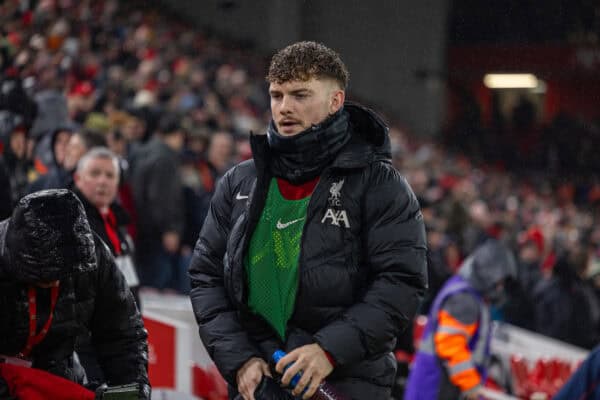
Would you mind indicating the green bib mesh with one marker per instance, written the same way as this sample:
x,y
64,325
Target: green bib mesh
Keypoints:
x,y
272,258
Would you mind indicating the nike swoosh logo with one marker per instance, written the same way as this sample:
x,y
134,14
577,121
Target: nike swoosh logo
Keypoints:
x,y
283,225
239,196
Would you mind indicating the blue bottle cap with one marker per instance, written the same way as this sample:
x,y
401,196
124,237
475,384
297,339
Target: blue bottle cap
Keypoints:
x,y
278,355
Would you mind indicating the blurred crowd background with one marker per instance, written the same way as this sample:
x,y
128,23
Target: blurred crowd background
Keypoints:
x,y
144,83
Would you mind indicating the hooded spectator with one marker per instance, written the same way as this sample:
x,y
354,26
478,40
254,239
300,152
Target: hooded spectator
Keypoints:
x,y
453,354
55,271
57,176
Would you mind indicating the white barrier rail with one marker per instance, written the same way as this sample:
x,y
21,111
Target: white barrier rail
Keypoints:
x,y
172,318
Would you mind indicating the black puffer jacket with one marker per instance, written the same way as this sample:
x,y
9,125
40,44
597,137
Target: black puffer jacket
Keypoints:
x,y
93,296
360,279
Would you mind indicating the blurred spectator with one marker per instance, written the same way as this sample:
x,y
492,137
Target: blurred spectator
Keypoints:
x,y
17,162
519,309
79,143
57,175
220,153
81,101
196,198
200,172
96,185
438,270
15,100
133,130
556,299
158,196
531,250
454,352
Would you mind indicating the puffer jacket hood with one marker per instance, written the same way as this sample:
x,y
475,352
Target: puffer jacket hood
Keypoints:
x,y
47,238
366,120
489,264
370,139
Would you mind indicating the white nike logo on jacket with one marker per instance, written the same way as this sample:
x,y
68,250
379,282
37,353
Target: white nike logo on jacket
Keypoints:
x,y
283,225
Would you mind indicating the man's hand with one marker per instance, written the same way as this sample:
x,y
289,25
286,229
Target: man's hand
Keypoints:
x,y
312,362
250,375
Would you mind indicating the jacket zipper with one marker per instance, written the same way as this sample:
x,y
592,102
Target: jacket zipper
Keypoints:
x,y
309,212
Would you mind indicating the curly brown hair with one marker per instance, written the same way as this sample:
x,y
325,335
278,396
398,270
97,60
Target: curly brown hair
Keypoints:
x,y
305,60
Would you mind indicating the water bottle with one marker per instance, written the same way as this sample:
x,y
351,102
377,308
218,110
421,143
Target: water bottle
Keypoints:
x,y
324,392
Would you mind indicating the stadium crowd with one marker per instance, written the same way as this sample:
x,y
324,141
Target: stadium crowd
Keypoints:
x,y
176,105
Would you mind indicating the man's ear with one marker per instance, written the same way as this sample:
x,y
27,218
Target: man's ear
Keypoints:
x,y
337,100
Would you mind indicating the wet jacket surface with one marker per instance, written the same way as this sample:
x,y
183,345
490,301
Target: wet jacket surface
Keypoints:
x,y
93,299
361,266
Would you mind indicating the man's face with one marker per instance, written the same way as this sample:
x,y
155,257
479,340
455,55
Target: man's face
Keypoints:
x,y
221,147
98,181
60,146
18,143
298,105
74,151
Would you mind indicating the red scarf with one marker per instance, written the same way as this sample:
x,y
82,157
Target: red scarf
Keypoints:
x,y
110,226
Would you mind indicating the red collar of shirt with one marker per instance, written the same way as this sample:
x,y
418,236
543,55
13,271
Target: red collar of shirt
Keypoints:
x,y
296,192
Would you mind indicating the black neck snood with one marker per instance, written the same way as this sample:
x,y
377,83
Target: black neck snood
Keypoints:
x,y
303,157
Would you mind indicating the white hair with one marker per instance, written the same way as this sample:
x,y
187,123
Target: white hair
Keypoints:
x,y
95,153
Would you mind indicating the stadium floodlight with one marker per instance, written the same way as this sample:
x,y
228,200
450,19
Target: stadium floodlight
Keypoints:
x,y
510,81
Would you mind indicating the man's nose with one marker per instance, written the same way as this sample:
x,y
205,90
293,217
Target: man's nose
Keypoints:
x,y
104,179
286,105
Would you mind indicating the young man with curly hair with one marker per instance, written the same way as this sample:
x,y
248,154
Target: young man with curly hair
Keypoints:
x,y
315,246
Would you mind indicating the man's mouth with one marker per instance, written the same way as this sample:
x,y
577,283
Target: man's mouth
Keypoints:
x,y
287,125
